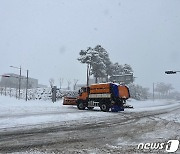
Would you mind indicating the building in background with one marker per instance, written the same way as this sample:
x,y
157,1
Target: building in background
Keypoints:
x,y
13,81
42,86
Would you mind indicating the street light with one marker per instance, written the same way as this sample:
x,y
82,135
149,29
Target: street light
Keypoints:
x,y
19,79
171,72
5,76
27,77
154,88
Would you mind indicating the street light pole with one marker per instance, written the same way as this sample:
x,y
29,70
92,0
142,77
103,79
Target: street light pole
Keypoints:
x,y
27,85
19,79
20,82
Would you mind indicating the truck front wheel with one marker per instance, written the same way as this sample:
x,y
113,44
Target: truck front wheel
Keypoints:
x,y
104,107
80,105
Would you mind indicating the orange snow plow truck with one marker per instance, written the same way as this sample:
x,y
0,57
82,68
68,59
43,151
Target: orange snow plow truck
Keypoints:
x,y
104,95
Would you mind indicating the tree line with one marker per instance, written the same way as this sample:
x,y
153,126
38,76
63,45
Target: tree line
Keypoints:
x,y
163,89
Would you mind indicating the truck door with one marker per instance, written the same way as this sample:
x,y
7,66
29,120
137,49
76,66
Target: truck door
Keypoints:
x,y
83,93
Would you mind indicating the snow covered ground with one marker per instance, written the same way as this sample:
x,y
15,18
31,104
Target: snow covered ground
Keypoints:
x,y
14,112
150,105
21,115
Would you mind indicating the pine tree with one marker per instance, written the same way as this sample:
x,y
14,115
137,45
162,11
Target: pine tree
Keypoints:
x,y
100,65
97,59
106,60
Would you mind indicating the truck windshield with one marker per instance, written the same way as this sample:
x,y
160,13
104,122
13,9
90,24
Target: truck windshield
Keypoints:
x,y
82,90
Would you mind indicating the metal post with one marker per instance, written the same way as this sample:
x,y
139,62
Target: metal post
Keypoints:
x,y
5,90
19,82
10,92
54,90
16,92
27,85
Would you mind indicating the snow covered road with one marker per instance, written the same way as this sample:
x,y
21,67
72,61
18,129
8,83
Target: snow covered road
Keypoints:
x,y
46,127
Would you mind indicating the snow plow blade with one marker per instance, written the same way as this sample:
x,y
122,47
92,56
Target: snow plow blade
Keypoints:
x,y
69,101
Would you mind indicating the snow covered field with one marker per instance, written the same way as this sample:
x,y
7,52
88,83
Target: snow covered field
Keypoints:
x,y
19,115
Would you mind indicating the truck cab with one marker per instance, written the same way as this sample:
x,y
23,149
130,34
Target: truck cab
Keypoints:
x,y
83,93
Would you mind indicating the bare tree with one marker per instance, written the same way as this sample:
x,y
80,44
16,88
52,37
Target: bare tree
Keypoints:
x,y
163,89
75,83
60,82
51,82
69,83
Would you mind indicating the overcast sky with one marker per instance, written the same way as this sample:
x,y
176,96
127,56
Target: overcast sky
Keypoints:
x,y
46,36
